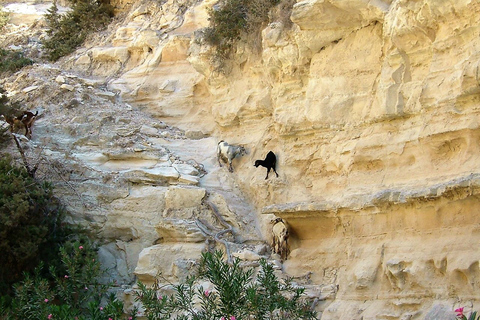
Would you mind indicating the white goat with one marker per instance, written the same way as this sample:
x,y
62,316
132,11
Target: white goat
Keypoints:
x,y
280,236
228,152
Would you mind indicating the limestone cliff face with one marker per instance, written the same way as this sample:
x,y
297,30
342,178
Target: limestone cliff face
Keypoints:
x,y
372,108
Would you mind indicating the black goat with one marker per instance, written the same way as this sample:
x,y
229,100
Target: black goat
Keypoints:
x,y
269,163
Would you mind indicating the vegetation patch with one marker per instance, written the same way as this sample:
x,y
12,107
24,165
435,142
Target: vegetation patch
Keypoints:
x,y
68,31
70,292
30,223
231,20
236,294
12,61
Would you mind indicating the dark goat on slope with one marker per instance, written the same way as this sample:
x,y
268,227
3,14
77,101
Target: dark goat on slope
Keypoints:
x,y
269,163
26,120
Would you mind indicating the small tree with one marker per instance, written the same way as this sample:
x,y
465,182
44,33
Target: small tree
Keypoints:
x,y
68,31
30,222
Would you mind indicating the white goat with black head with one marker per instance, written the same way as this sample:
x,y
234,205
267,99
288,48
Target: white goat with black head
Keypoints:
x,y
228,152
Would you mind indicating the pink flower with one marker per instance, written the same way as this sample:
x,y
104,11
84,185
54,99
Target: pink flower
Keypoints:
x,y
130,318
206,293
110,319
223,318
101,308
86,288
459,312
66,277
46,300
233,318
81,247
50,316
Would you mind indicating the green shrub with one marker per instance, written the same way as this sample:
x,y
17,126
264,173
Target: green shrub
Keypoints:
x,y
12,61
73,292
30,223
233,19
68,31
235,296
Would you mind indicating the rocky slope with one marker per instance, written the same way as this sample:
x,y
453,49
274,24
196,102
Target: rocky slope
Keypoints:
x,y
372,108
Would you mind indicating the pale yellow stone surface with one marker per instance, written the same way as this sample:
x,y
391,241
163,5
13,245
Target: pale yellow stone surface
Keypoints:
x,y
371,107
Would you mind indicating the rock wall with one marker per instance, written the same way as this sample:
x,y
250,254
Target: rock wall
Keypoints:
x,y
372,108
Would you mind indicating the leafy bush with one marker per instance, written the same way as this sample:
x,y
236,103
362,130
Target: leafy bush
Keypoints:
x,y
68,31
30,223
232,19
12,61
32,234
74,292
236,296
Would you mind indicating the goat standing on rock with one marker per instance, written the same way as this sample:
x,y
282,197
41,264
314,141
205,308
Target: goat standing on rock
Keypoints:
x,y
228,152
280,236
269,163
26,119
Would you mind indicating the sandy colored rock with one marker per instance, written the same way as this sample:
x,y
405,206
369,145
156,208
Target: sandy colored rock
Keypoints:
x,y
182,197
166,258
371,108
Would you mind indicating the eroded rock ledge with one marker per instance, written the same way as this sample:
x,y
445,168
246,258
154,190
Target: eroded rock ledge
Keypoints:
x,y
391,253
459,187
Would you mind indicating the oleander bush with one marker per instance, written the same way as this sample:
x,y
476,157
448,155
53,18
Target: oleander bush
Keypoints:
x,y
237,294
30,223
48,270
462,316
71,292
69,30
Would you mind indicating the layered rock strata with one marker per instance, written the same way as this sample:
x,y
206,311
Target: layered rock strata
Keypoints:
x,y
372,108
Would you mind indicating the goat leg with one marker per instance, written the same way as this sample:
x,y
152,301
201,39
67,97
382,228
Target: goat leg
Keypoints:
x,y
219,163
230,168
268,171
